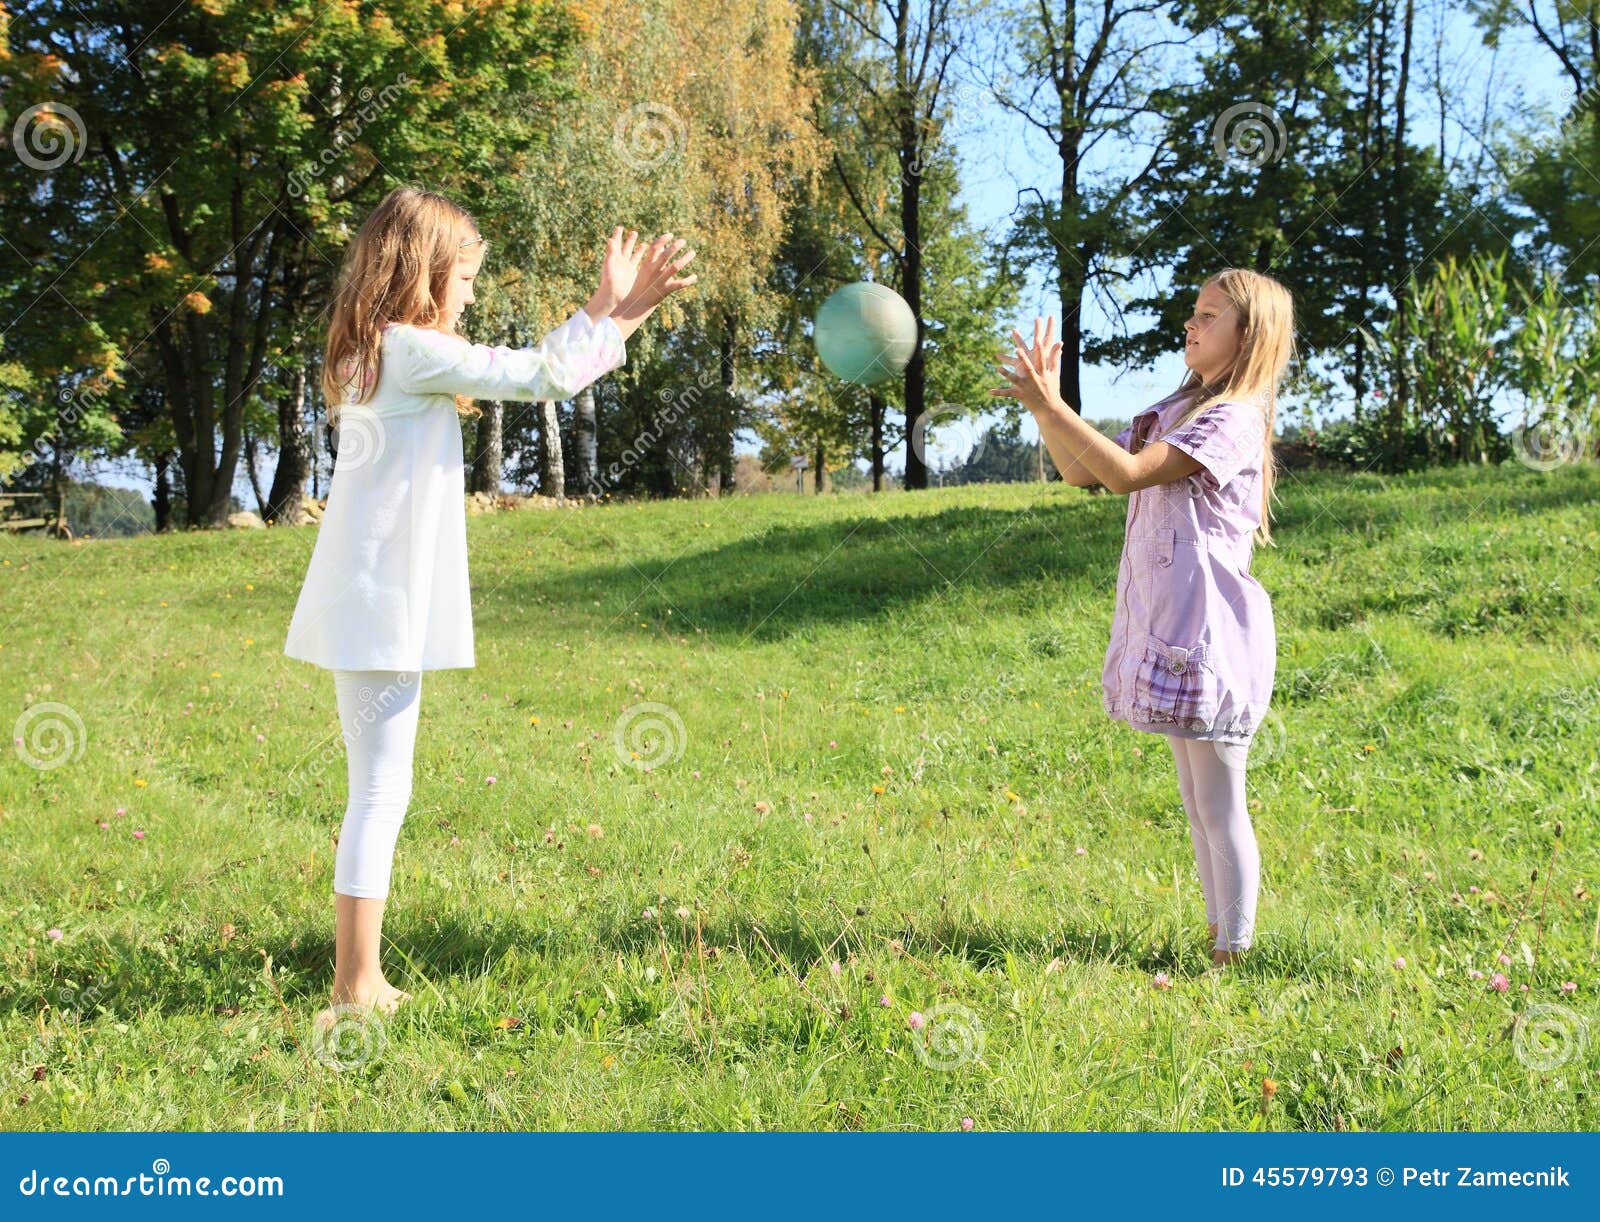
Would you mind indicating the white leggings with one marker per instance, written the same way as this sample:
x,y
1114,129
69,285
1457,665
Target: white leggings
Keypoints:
x,y
1211,780
378,715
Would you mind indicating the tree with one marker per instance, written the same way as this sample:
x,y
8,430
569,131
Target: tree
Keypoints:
x,y
1286,159
898,63
1078,73
221,153
714,156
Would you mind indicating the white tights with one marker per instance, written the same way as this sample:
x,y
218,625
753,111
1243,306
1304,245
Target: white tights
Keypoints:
x,y
1211,780
378,715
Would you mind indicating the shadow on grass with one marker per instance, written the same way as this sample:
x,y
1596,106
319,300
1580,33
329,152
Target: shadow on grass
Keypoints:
x,y
795,949
138,979
877,564
781,579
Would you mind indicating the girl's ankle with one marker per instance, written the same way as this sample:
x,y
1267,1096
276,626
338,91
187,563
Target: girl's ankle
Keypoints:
x,y
366,987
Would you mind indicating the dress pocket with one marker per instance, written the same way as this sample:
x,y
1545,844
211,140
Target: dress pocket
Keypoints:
x,y
1175,684
1159,545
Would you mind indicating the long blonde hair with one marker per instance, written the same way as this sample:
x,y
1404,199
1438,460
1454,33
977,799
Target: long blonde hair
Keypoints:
x,y
1265,310
395,271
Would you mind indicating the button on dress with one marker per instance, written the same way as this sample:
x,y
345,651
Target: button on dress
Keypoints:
x,y
1193,648
387,586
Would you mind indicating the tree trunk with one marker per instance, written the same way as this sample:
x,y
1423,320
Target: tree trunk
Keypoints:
x,y
876,407
913,137
552,472
916,368
162,502
196,379
285,501
1398,244
585,439
489,449
728,421
255,479
1071,264
821,468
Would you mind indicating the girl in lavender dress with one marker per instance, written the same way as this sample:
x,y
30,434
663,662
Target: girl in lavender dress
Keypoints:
x,y
1193,648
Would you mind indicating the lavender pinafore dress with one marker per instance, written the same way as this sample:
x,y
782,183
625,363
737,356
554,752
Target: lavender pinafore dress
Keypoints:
x,y
1193,649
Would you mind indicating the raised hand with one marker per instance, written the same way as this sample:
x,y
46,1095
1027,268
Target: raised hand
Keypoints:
x,y
1034,373
620,270
658,278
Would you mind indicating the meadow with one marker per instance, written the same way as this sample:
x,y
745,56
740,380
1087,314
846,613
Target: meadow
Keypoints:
x,y
802,813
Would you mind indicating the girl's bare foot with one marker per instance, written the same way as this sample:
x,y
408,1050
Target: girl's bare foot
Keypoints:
x,y
380,995
1221,957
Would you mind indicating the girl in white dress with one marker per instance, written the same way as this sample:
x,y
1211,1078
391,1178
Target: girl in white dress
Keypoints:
x,y
386,596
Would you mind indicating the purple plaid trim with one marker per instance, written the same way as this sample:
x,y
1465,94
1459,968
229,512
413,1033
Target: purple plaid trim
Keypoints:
x,y
1176,684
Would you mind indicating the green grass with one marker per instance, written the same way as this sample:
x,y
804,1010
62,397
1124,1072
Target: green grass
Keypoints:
x,y
661,955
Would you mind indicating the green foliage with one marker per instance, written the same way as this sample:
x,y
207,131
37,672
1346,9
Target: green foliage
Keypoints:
x,y
1443,364
1467,338
220,166
1280,156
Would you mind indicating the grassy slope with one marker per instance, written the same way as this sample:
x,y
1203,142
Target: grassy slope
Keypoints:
x,y
1438,699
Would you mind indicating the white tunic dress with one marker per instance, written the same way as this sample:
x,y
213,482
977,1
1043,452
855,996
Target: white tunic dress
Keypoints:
x,y
387,585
